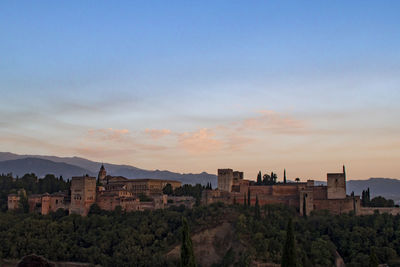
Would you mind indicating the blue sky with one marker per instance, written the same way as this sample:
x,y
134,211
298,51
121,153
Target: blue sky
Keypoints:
x,y
192,86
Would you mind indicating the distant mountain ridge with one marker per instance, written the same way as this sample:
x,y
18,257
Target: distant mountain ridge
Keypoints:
x,y
386,187
41,167
73,166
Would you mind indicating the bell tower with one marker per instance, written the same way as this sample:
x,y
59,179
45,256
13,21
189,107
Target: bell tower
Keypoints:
x,y
102,174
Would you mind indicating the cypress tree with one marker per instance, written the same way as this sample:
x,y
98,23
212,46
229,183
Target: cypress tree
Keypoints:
x,y
259,178
289,250
187,254
257,212
304,206
284,176
373,260
363,198
23,203
244,199
248,197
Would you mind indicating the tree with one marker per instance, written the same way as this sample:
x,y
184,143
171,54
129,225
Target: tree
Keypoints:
x,y
373,260
304,206
368,195
284,176
244,199
257,212
297,179
168,189
209,186
94,209
259,182
248,197
381,202
274,177
187,254
266,179
23,202
289,250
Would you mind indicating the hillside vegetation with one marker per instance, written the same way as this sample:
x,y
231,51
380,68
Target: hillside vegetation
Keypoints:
x,y
145,238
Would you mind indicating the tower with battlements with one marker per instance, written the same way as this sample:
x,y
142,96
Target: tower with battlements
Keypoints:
x,y
336,185
225,179
83,194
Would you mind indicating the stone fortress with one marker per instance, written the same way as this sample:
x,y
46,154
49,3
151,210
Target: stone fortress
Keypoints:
x,y
108,192
304,196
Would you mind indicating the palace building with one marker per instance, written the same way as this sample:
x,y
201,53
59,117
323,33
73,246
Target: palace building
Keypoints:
x,y
109,193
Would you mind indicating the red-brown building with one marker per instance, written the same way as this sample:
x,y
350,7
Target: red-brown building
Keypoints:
x,y
305,196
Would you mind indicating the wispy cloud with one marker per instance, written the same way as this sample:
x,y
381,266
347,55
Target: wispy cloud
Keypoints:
x,y
157,133
273,122
109,134
200,141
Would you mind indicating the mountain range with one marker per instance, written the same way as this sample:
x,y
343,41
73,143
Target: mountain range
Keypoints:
x,y
76,166
19,165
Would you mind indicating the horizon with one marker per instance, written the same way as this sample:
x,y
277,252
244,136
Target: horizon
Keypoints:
x,y
302,179
193,87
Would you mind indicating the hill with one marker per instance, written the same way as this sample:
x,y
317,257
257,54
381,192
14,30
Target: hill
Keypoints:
x,y
41,167
82,166
386,187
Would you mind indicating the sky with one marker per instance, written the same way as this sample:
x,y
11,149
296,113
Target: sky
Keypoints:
x,y
192,86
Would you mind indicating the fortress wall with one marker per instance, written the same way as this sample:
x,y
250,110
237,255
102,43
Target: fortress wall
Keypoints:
x,y
320,192
371,210
33,201
13,202
57,202
260,190
45,204
335,206
108,202
287,189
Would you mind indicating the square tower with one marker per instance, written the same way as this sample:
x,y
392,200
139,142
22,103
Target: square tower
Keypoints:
x,y
83,194
336,185
225,179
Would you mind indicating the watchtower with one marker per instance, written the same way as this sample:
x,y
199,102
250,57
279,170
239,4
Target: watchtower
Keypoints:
x,y
337,185
225,179
83,194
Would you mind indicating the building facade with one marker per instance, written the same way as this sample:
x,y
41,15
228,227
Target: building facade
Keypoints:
x,y
114,191
304,196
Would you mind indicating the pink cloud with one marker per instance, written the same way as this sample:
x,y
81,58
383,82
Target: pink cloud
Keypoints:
x,y
109,134
201,141
272,121
156,133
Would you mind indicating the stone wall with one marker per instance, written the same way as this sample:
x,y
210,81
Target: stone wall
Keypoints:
x,y
337,206
372,210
